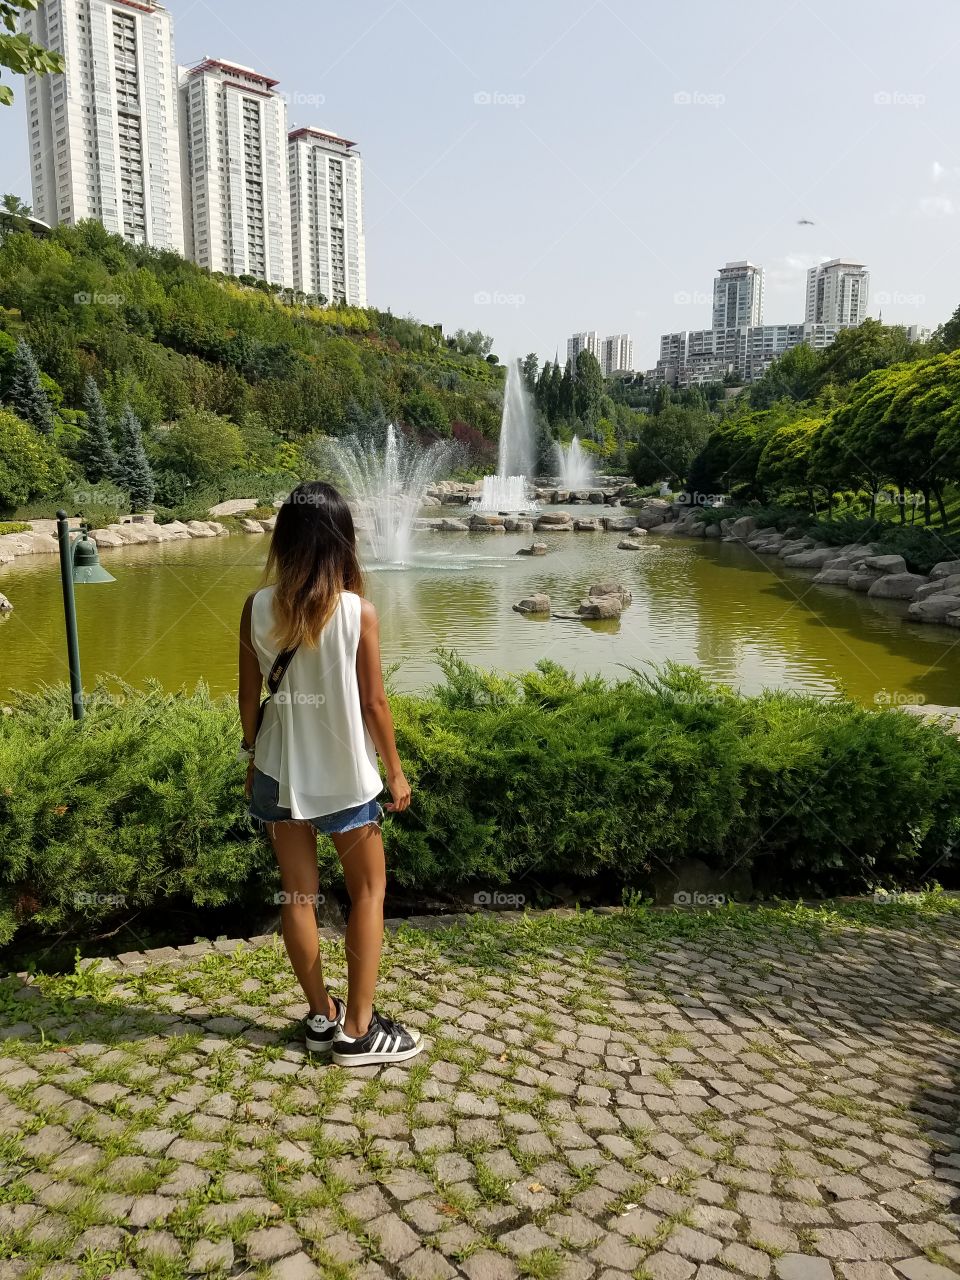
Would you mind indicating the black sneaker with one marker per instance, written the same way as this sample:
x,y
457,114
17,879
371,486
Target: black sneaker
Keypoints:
x,y
385,1041
319,1031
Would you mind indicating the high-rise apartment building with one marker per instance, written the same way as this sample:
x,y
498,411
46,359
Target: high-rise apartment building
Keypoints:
x,y
616,354
104,138
738,296
837,293
235,176
583,342
326,199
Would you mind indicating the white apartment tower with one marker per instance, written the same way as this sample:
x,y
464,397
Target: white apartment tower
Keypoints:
x,y
583,342
326,201
616,354
738,296
104,138
837,293
235,185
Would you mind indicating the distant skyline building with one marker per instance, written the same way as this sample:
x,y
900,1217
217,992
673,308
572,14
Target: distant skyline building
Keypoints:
x,y
326,197
738,296
235,176
103,135
745,350
616,354
837,293
583,342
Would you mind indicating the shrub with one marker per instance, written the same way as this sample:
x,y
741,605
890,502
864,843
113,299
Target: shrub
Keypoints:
x,y
13,526
540,776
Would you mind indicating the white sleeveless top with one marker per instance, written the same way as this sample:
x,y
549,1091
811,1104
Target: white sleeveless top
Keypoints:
x,y
313,740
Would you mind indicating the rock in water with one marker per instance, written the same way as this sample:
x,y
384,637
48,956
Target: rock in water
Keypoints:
x,y
629,544
539,604
624,594
536,549
5,605
601,608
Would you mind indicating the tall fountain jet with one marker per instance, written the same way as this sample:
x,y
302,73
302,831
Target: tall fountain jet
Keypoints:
x,y
576,465
387,486
507,490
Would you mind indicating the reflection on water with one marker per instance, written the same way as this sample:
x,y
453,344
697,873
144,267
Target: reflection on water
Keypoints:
x,y
742,619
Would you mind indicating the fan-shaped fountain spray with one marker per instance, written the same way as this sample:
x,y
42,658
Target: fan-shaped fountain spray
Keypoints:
x,y
386,487
576,465
507,490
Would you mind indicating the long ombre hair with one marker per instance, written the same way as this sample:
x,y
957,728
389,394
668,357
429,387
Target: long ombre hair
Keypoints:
x,y
313,557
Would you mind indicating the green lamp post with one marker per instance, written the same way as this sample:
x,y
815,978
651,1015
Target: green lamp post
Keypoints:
x,y
79,563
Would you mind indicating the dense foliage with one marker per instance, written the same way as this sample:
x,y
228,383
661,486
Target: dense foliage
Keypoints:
x,y
142,369
534,778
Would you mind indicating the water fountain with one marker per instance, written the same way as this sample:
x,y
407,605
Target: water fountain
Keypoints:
x,y
386,487
507,490
576,466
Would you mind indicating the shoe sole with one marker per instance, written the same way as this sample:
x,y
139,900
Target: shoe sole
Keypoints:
x,y
375,1059
323,1048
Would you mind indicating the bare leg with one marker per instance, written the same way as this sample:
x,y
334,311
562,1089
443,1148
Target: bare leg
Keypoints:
x,y
364,870
295,846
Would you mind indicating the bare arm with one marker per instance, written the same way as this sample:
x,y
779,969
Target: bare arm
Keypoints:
x,y
251,679
375,707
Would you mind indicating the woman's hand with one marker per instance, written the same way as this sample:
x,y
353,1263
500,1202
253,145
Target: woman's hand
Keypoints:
x,y
400,791
248,785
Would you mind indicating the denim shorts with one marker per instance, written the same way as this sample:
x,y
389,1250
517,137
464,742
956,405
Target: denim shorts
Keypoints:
x,y
264,807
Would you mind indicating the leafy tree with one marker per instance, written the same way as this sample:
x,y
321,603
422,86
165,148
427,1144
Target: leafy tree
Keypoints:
x,y
29,465
858,351
134,472
794,376
668,444
18,52
16,207
202,445
99,457
784,464
947,337
529,366
26,391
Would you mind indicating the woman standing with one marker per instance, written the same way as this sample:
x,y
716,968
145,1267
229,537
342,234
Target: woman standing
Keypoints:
x,y
313,759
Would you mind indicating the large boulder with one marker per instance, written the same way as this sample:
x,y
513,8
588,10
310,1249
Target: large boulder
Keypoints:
x,y
219,529
839,562
447,525
480,522
199,529
629,544
809,559
269,524
524,525
942,586
945,569
711,531
743,527
5,605
896,586
652,514
248,526
176,530
598,497
934,608
886,564
600,608
863,579
135,533
791,546
599,589
833,577
106,538
535,549
555,520
539,604
619,524
586,526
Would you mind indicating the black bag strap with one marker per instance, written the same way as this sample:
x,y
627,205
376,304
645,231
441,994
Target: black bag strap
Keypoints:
x,y
275,678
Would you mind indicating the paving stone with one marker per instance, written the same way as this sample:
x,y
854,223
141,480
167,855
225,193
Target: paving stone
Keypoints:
x,y
693,1244
396,1239
297,1266
668,1266
799,1266
271,1243
921,1268
426,1264
487,1265
749,1261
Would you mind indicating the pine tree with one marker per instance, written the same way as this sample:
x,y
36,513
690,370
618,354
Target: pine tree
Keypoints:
x,y
134,472
26,390
100,461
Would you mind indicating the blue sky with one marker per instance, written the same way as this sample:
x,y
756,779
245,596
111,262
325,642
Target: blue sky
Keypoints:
x,y
537,168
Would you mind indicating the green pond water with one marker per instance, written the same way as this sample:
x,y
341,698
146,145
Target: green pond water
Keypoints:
x,y
744,620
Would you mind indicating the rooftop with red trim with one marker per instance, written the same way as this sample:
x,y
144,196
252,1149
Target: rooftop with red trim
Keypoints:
x,y
234,68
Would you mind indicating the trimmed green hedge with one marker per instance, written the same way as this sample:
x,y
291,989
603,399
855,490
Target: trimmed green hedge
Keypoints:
x,y
542,776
